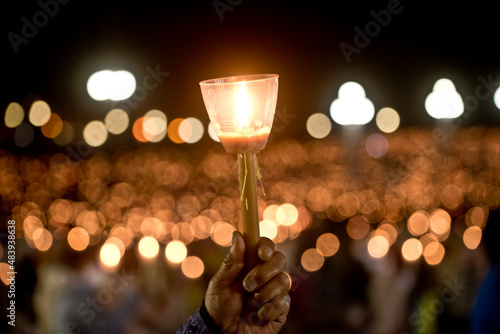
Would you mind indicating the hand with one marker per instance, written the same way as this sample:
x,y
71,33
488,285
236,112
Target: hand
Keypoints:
x,y
257,302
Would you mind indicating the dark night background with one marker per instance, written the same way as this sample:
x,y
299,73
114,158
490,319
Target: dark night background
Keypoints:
x,y
298,40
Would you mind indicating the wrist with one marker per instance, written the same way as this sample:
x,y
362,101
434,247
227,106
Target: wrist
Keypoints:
x,y
209,321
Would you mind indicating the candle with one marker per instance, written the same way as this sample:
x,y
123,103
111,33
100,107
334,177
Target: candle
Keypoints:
x,y
236,142
241,110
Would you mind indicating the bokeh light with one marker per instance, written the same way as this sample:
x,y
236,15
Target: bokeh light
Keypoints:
x,y
154,126
78,238
418,223
190,130
222,233
327,244
53,127
444,100
39,113
496,98
318,126
358,227
95,133
352,106
378,246
434,253
268,229
14,115
116,121
376,145
42,238
175,251
312,260
387,120
472,237
66,135
477,216
173,131
111,85
411,249
440,222
110,255
148,247
192,267
287,214
212,133
5,275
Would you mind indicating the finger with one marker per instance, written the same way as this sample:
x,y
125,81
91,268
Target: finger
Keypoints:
x,y
233,263
279,285
264,272
266,249
277,307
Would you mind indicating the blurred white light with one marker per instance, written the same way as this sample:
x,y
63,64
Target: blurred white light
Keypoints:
x,y
352,106
211,132
496,98
14,115
318,125
387,120
111,85
444,101
39,113
154,127
116,121
176,251
95,133
191,130
268,229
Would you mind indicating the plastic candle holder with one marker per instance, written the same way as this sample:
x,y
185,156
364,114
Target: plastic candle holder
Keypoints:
x,y
241,110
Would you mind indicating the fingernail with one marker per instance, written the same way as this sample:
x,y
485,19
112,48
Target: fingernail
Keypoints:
x,y
250,284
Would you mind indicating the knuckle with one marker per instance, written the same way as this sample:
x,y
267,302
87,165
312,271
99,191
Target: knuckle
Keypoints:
x,y
280,259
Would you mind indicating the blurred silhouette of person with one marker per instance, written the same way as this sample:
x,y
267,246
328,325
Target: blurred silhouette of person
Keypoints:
x,y
485,316
257,302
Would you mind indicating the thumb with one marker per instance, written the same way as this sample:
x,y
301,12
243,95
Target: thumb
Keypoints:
x,y
233,263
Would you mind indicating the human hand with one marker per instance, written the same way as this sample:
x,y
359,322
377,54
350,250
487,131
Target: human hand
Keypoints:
x,y
257,302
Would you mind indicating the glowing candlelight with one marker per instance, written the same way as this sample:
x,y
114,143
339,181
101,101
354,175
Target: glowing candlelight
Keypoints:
x,y
241,110
242,105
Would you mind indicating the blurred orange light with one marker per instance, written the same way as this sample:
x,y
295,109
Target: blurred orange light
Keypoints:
x,y
411,249
78,238
192,267
53,127
378,246
312,260
472,237
327,244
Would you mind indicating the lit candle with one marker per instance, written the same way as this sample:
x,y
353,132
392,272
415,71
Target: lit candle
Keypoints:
x,y
241,110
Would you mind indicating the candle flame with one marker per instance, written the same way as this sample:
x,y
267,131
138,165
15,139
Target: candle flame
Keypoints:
x,y
242,107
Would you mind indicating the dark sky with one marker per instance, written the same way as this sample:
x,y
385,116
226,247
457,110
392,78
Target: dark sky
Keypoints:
x,y
412,44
